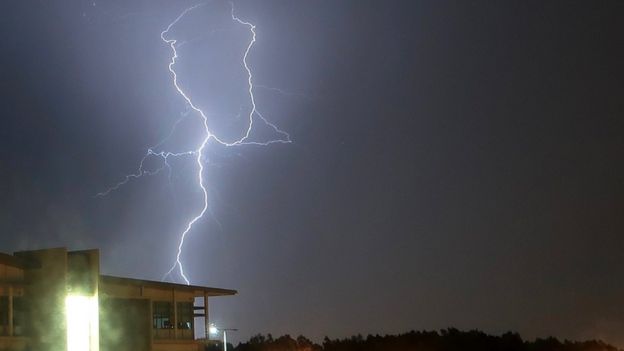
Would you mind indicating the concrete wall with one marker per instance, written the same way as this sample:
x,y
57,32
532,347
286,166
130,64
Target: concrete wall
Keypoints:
x,y
45,297
83,272
124,324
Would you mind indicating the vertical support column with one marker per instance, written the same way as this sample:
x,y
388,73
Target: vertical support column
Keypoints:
x,y
11,310
150,318
175,315
206,318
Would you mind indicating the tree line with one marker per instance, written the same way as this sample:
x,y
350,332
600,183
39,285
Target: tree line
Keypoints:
x,y
450,339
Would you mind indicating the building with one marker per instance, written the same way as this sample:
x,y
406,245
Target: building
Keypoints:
x,y
54,300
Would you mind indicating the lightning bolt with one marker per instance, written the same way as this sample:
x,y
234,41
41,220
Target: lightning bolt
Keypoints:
x,y
209,137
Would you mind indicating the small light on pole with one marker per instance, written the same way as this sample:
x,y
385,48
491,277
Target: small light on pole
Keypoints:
x,y
214,331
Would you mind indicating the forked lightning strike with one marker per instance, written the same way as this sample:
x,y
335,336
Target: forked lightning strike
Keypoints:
x,y
208,136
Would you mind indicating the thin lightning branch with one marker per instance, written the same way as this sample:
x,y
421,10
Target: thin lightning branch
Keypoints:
x,y
254,110
281,91
141,171
208,136
164,156
183,117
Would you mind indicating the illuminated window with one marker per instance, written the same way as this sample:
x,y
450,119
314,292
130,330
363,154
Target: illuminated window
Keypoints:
x,y
162,315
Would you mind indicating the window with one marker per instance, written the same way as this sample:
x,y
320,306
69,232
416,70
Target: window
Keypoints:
x,y
162,315
19,315
4,315
185,315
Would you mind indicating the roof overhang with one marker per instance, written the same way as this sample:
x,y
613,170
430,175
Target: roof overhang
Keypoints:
x,y
196,289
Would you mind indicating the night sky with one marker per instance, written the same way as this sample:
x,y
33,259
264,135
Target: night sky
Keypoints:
x,y
455,163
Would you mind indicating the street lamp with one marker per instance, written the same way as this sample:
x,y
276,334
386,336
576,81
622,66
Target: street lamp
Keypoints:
x,y
214,331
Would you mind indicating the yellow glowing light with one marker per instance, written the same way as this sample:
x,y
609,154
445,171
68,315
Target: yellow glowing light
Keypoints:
x,y
82,323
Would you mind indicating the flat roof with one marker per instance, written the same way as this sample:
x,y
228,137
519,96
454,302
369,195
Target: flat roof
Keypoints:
x,y
199,290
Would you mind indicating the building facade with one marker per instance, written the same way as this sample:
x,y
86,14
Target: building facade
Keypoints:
x,y
55,300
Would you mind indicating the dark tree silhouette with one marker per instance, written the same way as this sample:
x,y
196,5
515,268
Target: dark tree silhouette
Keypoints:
x,y
449,339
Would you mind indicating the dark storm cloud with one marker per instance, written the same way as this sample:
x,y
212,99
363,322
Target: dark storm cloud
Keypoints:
x,y
455,163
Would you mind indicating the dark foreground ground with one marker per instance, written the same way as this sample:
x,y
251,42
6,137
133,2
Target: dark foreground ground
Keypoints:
x,y
444,340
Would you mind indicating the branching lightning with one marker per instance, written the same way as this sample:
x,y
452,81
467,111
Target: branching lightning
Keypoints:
x,y
208,137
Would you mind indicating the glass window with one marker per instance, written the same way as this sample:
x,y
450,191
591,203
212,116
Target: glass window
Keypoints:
x,y
162,315
185,315
4,315
19,315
